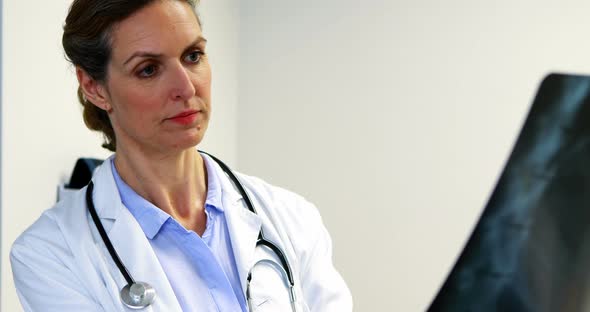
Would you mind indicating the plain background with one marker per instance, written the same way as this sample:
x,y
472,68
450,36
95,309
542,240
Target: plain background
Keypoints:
x,y
393,117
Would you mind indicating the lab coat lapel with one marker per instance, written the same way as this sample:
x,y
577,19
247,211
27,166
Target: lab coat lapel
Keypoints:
x,y
243,227
130,242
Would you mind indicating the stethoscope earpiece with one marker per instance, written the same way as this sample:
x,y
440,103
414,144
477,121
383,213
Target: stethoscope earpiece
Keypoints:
x,y
138,295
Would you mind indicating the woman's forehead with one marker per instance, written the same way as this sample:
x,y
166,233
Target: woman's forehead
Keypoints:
x,y
156,27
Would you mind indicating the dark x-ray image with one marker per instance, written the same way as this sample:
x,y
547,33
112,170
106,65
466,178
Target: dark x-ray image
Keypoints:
x,y
530,250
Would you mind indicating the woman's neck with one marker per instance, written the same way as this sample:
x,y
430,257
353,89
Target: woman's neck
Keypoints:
x,y
177,183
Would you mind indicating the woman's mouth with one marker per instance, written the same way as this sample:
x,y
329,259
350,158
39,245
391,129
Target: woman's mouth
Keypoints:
x,y
185,118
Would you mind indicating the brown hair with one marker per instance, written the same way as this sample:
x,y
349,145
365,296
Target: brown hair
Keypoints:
x,y
87,44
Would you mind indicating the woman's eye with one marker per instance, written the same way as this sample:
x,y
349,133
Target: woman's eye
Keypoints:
x,y
148,71
193,57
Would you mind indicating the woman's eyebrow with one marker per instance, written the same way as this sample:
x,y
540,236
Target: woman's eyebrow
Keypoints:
x,y
142,54
197,41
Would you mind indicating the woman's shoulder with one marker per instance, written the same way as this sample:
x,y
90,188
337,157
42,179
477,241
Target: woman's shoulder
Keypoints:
x,y
47,234
263,187
52,258
279,203
269,192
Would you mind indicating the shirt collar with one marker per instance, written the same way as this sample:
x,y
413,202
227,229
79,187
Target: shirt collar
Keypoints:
x,y
151,218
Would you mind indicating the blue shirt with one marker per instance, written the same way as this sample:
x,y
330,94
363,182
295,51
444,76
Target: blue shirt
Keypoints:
x,y
194,265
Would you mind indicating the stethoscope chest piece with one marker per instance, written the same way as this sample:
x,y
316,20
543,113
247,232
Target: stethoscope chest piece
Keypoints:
x,y
138,295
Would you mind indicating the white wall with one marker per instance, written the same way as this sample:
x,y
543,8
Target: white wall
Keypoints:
x,y
395,118
42,128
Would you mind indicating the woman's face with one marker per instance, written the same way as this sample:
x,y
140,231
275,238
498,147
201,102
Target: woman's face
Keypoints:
x,y
158,85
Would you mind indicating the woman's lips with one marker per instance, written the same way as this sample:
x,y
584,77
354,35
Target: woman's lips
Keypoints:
x,y
185,118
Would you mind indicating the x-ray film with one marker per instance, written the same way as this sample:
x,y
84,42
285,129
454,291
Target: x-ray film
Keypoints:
x,y
530,250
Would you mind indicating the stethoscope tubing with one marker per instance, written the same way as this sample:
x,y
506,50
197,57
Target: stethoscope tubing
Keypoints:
x,y
261,241
261,238
105,237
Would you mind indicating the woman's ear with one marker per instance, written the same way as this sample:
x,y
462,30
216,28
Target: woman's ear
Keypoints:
x,y
93,90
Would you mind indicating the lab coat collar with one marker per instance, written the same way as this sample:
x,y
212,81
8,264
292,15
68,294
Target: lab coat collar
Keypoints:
x,y
213,187
243,225
129,241
108,201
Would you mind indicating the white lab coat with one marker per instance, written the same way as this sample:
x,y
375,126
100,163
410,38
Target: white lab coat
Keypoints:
x,y
61,264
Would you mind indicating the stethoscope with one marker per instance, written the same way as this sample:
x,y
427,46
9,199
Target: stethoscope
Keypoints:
x,y
138,295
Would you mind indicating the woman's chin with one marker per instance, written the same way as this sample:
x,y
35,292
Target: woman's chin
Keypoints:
x,y
185,143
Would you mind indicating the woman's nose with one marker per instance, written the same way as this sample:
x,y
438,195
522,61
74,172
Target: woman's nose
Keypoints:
x,y
182,84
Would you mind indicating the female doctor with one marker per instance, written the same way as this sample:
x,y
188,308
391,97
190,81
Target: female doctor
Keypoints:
x,y
163,227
